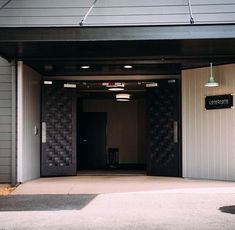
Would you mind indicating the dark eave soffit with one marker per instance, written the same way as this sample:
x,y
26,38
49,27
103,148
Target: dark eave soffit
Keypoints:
x,y
129,33
161,49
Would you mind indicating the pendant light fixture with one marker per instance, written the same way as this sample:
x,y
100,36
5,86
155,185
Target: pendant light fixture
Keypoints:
x,y
123,97
211,82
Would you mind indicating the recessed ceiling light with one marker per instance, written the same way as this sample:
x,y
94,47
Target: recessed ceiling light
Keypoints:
x,y
47,82
85,67
48,67
128,66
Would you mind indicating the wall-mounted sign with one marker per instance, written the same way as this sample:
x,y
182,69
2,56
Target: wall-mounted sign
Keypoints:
x,y
219,101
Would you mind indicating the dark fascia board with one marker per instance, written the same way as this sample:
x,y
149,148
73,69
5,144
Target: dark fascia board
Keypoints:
x,y
124,33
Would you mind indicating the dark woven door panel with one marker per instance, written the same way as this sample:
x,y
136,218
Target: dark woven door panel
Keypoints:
x,y
58,152
162,122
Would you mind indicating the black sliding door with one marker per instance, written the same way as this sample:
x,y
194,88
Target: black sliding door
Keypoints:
x,y
58,151
163,129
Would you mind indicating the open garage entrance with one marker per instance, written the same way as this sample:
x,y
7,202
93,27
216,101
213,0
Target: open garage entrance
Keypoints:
x,y
86,127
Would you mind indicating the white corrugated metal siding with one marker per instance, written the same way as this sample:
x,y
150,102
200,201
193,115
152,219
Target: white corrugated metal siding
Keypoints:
x,y
208,135
29,86
114,13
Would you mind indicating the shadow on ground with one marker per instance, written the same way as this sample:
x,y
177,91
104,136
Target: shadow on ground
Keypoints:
x,y
228,209
44,202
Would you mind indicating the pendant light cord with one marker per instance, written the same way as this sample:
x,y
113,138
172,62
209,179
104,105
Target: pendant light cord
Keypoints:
x,y
211,70
88,12
190,12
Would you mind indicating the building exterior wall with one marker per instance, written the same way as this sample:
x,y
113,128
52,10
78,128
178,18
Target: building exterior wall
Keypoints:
x,y
112,12
208,135
5,120
29,91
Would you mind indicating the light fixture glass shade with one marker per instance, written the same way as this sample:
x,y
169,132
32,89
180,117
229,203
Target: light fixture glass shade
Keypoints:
x,y
211,82
123,97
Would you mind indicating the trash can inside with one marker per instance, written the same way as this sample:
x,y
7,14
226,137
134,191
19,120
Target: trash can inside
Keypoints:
x,y
113,157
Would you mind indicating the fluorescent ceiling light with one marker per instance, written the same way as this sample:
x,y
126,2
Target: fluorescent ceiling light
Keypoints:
x,y
68,85
85,67
47,82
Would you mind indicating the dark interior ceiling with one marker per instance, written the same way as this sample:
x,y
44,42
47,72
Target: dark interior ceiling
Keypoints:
x,y
96,90
158,57
147,57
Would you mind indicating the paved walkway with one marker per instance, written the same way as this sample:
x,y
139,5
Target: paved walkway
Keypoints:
x,y
119,183
120,202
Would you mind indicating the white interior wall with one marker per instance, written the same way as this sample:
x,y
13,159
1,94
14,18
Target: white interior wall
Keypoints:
x,y
29,83
208,135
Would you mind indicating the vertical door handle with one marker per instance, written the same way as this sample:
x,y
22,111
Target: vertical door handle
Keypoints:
x,y
44,132
175,131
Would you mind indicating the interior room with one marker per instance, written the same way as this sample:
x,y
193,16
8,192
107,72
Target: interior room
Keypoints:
x,y
118,140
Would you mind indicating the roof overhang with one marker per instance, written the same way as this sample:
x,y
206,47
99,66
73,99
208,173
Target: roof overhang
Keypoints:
x,y
170,47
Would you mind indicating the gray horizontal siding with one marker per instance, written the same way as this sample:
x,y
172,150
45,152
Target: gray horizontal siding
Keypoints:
x,y
5,169
5,86
5,161
5,128
112,12
5,137
5,152
5,111
5,70
4,78
5,121
5,178
5,144
5,94
45,3
5,104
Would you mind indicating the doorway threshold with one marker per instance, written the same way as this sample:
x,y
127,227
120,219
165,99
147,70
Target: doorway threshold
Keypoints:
x,y
111,172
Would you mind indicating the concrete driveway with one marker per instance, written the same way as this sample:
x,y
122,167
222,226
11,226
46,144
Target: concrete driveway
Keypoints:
x,y
120,202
